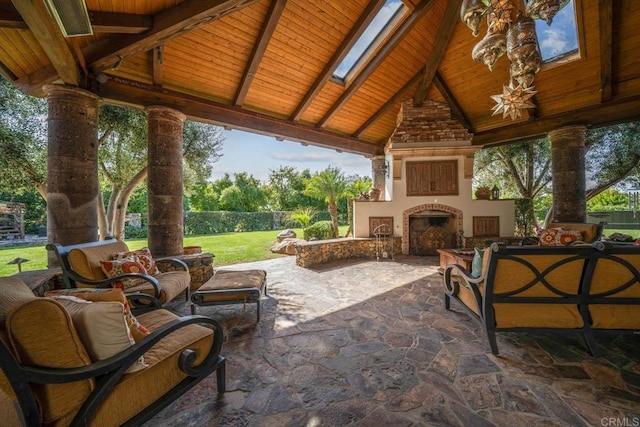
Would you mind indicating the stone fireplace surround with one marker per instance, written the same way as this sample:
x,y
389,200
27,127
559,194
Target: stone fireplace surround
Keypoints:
x,y
431,207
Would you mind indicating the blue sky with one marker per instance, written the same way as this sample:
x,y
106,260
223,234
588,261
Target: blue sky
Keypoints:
x,y
258,154
561,36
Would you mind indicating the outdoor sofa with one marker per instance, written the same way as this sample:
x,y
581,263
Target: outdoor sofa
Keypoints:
x,y
583,288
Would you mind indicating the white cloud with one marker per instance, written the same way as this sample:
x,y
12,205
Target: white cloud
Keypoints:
x,y
553,41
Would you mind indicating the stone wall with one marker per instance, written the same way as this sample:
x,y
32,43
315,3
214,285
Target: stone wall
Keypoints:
x,y
318,252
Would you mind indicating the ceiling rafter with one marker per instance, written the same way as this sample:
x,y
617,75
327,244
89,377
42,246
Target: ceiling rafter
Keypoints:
x,y
6,72
132,93
10,17
101,22
455,108
50,38
124,23
167,25
592,115
356,31
388,47
397,97
266,32
157,65
606,43
445,32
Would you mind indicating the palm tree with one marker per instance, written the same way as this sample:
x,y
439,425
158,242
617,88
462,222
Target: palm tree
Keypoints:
x,y
328,185
355,189
302,216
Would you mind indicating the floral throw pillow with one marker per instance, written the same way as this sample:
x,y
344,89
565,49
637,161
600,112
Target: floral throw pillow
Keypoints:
x,y
118,267
558,237
144,257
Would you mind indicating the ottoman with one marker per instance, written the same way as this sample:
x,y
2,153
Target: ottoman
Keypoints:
x,y
231,287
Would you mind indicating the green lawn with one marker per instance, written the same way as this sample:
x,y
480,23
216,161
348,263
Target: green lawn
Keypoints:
x,y
229,248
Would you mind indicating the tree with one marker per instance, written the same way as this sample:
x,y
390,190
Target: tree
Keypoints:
x,y
328,185
246,194
286,189
23,140
521,170
355,188
123,159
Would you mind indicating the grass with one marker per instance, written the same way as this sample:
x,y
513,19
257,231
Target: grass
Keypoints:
x,y
228,248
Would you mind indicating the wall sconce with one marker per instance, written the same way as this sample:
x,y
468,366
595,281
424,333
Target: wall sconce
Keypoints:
x,y
385,168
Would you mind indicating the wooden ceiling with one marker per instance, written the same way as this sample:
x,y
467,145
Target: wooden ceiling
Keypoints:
x,y
266,66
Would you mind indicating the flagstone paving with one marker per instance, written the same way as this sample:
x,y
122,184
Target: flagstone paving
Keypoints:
x,y
370,343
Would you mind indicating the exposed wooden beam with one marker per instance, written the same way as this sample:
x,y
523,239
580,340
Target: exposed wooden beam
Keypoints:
x,y
50,38
9,16
167,25
444,90
606,43
123,23
7,73
445,32
32,84
397,97
593,116
122,91
266,32
363,22
158,70
388,47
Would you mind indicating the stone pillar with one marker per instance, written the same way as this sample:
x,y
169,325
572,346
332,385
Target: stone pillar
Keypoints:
x,y
568,172
165,190
72,166
379,177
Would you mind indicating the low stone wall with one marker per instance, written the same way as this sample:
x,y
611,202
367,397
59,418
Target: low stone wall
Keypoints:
x,y
317,252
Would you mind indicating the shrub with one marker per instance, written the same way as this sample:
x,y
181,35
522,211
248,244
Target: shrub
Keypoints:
x,y
320,230
135,232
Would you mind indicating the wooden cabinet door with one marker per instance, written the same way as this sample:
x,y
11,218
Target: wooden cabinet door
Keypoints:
x,y
486,226
375,221
432,178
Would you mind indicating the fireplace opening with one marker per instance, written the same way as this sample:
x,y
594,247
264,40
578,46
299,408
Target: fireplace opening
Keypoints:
x,y
430,231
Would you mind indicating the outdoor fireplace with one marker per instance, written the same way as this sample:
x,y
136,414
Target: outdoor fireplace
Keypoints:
x,y
429,227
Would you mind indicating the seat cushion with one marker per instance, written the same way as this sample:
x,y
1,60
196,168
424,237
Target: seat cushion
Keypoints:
x,y
14,293
248,283
172,284
138,390
86,261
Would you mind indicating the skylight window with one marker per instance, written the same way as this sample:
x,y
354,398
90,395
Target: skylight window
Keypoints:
x,y
381,25
560,39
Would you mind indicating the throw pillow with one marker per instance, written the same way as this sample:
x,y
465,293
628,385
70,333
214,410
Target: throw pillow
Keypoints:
x,y
476,263
138,331
118,267
102,328
144,257
558,237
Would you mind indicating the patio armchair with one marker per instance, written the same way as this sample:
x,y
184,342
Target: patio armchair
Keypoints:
x,y
65,361
82,266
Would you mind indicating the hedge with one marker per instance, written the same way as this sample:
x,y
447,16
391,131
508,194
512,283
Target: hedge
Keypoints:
x,y
196,223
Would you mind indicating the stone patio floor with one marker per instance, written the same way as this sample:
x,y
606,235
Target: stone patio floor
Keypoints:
x,y
370,343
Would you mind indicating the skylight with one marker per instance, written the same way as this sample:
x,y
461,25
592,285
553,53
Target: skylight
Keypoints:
x,y
560,39
371,38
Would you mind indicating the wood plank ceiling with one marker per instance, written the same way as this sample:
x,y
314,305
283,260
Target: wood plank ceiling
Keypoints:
x,y
266,66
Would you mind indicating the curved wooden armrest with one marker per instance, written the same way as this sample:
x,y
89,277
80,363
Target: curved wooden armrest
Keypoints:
x,y
452,287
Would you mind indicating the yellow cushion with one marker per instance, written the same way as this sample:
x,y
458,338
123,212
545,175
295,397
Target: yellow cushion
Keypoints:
x,y
512,275
172,283
138,331
42,334
138,390
102,327
14,293
86,261
537,316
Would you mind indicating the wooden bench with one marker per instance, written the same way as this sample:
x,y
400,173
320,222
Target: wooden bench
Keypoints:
x,y
570,289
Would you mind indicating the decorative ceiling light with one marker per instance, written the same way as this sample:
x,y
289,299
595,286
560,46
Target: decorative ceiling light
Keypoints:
x,y
515,37
72,17
544,9
513,101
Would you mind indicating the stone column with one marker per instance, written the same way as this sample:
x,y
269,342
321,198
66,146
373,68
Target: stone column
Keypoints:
x,y
379,177
568,172
165,190
72,166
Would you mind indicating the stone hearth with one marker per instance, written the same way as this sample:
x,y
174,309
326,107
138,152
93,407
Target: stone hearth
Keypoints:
x,y
428,227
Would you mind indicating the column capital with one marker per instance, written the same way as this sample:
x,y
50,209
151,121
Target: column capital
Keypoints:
x,y
61,89
568,136
168,113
